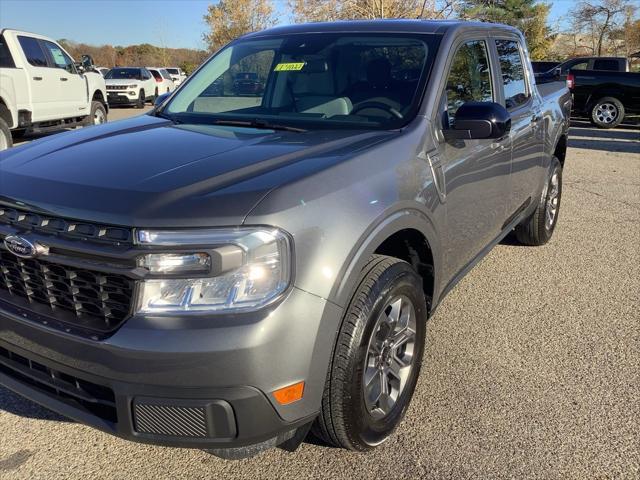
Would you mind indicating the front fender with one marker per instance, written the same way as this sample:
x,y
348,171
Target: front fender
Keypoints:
x,y
385,227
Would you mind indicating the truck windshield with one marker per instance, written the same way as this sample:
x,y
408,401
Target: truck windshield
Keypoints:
x,y
311,81
124,73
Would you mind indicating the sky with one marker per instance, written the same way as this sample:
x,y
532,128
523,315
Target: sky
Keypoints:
x,y
170,23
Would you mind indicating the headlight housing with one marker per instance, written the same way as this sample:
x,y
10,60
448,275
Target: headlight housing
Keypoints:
x,y
214,270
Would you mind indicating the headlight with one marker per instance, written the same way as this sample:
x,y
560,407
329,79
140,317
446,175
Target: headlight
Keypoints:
x,y
133,86
215,270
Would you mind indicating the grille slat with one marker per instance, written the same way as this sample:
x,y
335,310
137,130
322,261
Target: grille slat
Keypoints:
x,y
88,295
66,228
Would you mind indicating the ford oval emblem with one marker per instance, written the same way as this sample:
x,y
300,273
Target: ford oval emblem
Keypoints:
x,y
20,247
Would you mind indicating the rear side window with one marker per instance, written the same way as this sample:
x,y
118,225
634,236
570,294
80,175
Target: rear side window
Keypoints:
x,y
513,78
156,75
6,61
33,51
470,77
60,59
606,65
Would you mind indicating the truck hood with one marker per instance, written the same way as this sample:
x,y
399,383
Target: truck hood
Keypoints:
x,y
149,172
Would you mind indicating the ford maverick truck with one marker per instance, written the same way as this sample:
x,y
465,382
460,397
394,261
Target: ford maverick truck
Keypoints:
x,y
230,271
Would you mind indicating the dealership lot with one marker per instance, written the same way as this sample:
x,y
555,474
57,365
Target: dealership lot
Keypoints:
x,y
531,370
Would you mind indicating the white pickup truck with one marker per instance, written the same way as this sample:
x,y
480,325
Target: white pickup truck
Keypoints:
x,y
42,89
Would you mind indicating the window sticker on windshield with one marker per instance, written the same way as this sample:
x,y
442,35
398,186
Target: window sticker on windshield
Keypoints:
x,y
289,67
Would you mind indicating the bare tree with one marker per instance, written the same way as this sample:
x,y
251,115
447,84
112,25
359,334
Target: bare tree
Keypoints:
x,y
230,19
598,19
331,10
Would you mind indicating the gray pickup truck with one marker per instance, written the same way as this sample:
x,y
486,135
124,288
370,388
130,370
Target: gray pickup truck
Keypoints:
x,y
234,269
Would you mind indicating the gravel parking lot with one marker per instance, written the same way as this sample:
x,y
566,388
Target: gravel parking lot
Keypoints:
x,y
532,368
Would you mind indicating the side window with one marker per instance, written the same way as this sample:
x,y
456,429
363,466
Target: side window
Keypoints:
x,y
612,65
6,61
576,66
165,74
513,77
469,77
32,50
60,59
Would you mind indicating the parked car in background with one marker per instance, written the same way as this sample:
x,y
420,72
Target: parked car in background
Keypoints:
x,y
43,89
177,75
239,272
247,83
606,97
560,71
164,82
130,86
103,70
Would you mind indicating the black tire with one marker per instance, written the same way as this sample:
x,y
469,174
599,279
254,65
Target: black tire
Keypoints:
x,y
608,112
155,96
537,230
97,110
5,135
141,100
345,420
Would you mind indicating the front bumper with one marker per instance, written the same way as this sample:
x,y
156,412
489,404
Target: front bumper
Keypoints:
x,y
122,97
201,382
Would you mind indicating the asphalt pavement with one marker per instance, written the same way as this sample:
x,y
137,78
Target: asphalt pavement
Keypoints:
x,y
532,366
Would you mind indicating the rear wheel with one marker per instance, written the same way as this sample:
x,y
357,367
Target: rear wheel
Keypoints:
x,y
608,112
538,228
141,100
5,136
377,357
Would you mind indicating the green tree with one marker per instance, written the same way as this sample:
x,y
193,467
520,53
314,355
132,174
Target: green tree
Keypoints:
x,y
529,16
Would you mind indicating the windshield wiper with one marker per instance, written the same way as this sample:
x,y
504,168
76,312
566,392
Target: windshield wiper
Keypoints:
x,y
261,124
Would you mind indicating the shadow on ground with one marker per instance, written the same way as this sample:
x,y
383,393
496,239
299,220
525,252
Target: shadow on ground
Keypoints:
x,y
624,139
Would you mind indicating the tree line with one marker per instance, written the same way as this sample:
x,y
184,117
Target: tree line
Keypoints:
x,y
137,55
596,27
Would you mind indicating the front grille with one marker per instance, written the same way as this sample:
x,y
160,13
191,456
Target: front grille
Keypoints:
x,y
73,229
93,398
93,300
117,87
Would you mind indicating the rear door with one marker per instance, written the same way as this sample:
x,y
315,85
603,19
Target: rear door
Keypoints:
x,y
73,88
476,172
527,131
43,81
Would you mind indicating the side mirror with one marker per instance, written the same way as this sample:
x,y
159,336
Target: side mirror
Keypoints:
x,y
479,120
160,99
87,62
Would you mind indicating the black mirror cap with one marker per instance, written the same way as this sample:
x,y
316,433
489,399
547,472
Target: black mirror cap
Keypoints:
x,y
480,120
87,62
160,99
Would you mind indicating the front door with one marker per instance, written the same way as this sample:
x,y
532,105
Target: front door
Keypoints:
x,y
73,88
476,172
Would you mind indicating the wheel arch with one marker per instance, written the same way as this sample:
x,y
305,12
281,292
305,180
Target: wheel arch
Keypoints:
x,y
98,96
5,113
408,235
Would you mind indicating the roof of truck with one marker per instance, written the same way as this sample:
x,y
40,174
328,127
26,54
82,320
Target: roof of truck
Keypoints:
x,y
382,26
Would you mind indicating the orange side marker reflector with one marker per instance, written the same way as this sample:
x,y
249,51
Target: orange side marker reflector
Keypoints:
x,y
289,394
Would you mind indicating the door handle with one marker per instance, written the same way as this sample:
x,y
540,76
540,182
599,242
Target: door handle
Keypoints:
x,y
37,78
63,79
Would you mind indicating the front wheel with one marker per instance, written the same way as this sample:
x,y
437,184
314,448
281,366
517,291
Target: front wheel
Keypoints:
x,y
141,100
608,112
98,114
538,228
5,135
377,357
